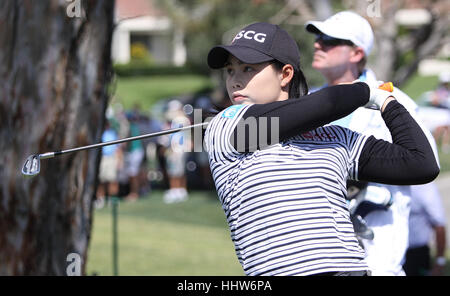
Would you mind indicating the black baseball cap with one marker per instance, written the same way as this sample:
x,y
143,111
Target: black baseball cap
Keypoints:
x,y
258,43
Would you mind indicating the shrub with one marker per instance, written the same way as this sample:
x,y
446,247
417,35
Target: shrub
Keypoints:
x,y
136,68
140,54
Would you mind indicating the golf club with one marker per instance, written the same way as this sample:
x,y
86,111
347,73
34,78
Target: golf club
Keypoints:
x,y
32,165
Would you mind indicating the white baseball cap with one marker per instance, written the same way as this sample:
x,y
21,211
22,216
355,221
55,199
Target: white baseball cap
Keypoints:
x,y
345,25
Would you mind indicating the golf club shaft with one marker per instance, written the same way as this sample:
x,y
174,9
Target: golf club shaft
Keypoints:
x,y
388,86
161,133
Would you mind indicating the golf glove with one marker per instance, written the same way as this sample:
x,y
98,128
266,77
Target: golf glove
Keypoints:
x,y
377,96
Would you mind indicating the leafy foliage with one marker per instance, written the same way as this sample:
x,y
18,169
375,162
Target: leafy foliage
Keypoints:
x,y
209,23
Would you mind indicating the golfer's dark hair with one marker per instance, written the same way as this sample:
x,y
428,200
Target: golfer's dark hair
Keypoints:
x,y
298,86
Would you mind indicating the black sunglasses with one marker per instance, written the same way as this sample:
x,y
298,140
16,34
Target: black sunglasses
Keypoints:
x,y
326,40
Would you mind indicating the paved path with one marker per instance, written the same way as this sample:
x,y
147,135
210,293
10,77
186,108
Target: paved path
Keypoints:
x,y
443,182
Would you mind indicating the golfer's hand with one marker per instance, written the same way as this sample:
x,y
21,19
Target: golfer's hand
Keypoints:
x,y
378,98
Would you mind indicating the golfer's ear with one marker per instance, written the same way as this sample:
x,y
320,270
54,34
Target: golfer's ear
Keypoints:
x,y
286,75
358,55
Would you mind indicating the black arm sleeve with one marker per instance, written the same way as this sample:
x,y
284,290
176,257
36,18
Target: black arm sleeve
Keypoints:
x,y
408,160
297,116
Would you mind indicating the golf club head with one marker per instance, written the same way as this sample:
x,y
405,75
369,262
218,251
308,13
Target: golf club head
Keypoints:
x,y
32,165
361,228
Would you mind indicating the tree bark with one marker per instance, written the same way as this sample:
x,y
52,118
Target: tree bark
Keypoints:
x,y
322,8
431,38
55,71
385,36
388,59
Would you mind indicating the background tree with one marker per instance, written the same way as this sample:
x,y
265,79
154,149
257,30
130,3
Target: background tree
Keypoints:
x,y
54,71
400,49
207,23
397,50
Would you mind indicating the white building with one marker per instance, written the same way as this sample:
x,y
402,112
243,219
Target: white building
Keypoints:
x,y
139,21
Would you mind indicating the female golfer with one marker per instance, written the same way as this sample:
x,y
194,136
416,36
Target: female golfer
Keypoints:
x,y
280,176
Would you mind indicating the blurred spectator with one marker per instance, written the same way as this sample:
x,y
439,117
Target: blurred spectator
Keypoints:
x,y
220,99
134,155
204,103
162,162
150,166
440,97
442,135
110,162
427,216
120,121
176,154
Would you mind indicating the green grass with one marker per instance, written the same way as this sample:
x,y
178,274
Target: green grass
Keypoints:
x,y
444,161
157,239
189,238
417,85
147,90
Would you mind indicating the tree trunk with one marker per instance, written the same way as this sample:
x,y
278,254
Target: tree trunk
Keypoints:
x,y
54,68
386,55
428,42
322,8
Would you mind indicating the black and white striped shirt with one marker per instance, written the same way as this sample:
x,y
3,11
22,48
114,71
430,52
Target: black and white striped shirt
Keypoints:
x,y
285,204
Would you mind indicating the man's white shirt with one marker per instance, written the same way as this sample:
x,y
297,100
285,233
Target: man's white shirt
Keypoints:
x,y
385,253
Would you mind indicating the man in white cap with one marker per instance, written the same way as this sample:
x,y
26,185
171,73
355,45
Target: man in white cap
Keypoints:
x,y
343,43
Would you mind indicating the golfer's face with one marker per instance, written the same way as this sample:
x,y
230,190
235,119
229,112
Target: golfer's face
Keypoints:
x,y
252,83
330,57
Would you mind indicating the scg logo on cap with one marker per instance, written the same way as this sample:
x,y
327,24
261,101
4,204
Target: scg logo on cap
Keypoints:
x,y
259,37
